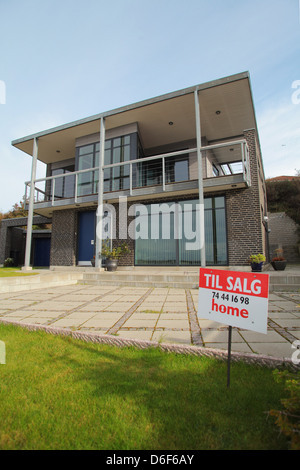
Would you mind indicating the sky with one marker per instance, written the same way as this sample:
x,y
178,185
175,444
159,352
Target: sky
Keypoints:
x,y
69,59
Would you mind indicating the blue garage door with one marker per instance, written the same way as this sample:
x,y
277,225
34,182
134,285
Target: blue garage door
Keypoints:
x,y
42,252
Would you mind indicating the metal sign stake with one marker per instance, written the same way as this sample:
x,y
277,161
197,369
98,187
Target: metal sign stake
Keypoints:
x,y
229,355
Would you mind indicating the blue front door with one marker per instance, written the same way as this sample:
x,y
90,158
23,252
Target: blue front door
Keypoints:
x,y
86,237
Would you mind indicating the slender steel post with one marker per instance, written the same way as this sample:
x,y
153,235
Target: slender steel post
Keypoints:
x,y
26,266
229,355
99,213
200,179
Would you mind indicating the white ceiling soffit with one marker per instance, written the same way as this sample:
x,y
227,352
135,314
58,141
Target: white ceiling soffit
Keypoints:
x,y
226,111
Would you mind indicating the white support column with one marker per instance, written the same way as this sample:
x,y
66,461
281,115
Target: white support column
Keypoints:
x,y
200,179
99,214
27,266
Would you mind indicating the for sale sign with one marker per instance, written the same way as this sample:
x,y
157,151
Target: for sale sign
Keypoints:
x,y
234,298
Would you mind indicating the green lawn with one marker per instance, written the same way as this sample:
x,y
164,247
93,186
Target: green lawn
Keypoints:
x,y
12,272
60,393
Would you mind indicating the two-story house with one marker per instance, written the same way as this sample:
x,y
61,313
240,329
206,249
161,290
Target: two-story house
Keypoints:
x,y
179,177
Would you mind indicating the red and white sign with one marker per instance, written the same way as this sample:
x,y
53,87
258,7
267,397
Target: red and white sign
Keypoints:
x,y
234,298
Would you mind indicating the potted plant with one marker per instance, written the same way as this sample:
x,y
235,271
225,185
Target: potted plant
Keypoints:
x,y
278,261
112,255
256,262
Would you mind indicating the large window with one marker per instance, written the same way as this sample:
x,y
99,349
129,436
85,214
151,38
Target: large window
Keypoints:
x,y
168,234
88,157
63,186
117,150
150,172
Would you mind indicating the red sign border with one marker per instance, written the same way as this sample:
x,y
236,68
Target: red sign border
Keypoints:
x,y
225,274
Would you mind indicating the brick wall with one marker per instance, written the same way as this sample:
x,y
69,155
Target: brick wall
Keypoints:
x,y
64,238
245,211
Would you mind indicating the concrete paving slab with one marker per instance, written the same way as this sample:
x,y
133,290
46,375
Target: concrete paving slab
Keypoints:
x,y
131,298
140,323
282,316
289,323
215,336
286,305
51,305
80,314
204,323
174,323
36,320
14,304
117,308
238,347
41,314
180,337
276,349
145,316
149,309
144,335
94,307
100,323
67,322
254,337
18,314
273,296
80,297
173,316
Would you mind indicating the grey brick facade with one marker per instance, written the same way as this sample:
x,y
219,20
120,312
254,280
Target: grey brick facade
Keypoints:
x,y
64,238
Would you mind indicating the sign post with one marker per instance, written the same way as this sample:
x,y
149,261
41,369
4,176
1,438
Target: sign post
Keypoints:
x,y
229,355
234,298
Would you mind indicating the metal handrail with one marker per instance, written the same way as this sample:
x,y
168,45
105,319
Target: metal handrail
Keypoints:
x,y
162,157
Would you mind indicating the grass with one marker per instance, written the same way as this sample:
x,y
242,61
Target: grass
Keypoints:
x,y
13,272
60,393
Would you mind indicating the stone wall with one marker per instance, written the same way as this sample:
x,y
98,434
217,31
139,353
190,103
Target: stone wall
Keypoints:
x,y
285,234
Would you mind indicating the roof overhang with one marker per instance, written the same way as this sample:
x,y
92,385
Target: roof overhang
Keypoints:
x,y
226,110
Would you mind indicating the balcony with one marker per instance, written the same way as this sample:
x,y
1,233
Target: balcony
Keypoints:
x,y
224,166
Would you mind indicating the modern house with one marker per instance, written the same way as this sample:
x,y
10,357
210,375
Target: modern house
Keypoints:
x,y
179,177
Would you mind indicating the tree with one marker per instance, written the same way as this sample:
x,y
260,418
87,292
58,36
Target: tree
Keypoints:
x,y
284,196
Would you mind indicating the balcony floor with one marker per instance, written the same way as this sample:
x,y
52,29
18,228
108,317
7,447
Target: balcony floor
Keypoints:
x,y
220,183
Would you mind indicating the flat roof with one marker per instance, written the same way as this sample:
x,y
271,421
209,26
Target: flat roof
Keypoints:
x,y
232,96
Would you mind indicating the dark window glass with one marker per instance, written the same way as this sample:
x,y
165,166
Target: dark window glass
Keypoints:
x,y
182,245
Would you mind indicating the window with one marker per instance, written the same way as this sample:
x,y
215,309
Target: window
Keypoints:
x,y
177,169
87,157
64,186
117,150
170,236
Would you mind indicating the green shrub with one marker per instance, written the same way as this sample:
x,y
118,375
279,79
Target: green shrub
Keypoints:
x,y
9,263
288,419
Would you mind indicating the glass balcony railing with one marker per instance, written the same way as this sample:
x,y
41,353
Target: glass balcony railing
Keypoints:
x,y
220,160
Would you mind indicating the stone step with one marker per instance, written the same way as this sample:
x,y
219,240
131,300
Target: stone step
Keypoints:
x,y
136,279
278,282
139,283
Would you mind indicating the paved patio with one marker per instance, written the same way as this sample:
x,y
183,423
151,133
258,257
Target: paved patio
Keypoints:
x,y
167,315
